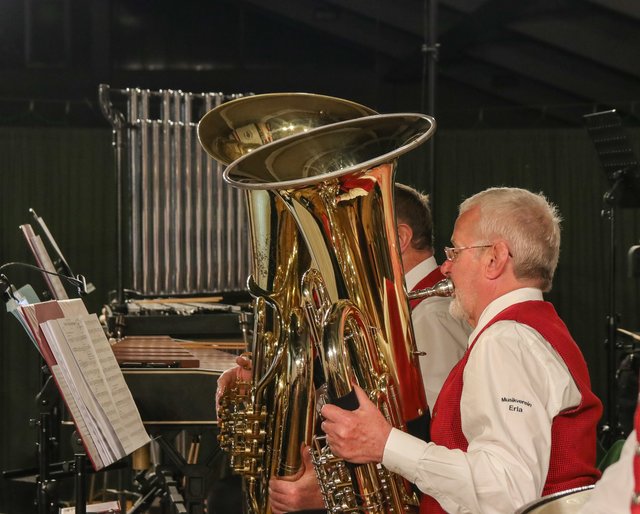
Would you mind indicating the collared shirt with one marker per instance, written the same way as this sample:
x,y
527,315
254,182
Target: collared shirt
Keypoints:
x,y
506,463
612,493
441,337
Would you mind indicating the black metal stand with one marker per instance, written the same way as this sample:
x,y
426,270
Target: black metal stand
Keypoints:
x,y
610,428
47,488
49,473
80,483
152,489
48,400
623,174
195,478
118,124
185,498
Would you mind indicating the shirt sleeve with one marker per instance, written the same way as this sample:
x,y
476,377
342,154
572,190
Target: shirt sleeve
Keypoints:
x,y
613,492
514,384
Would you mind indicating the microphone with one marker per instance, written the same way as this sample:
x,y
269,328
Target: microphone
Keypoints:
x,y
78,281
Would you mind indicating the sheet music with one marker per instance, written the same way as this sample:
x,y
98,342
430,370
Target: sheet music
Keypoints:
x,y
78,418
37,313
74,344
73,308
72,351
130,429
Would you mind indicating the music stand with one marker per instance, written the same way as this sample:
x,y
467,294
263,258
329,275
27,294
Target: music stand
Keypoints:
x,y
621,169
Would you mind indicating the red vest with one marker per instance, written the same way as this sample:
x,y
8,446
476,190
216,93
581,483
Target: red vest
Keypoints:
x,y
573,432
429,281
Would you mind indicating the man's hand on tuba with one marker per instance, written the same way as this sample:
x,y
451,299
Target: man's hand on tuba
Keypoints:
x,y
357,436
301,492
240,373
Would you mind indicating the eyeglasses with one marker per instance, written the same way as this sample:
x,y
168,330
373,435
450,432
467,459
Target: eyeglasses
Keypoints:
x,y
452,253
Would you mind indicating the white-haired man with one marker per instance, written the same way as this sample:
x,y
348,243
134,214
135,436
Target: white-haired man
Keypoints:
x,y
516,418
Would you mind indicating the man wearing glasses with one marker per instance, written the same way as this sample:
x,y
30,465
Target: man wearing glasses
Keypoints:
x,y
516,418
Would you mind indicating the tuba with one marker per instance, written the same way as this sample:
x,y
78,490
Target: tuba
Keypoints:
x,y
262,425
337,183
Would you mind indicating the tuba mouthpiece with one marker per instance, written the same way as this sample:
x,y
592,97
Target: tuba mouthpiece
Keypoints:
x,y
442,288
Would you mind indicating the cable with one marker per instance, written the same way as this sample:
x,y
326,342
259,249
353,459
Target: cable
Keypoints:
x,y
78,281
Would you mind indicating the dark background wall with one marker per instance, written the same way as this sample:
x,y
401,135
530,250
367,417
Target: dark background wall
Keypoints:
x,y
513,82
66,175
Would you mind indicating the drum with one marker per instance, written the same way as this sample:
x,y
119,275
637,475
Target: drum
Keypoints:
x,y
564,502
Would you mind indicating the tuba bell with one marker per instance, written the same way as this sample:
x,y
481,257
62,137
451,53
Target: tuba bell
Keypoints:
x,y
262,424
337,183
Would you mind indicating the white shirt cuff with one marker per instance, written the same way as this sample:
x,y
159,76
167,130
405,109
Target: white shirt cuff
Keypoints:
x,y
402,454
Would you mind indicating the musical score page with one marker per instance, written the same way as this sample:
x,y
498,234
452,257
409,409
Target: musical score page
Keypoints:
x,y
90,366
71,348
89,378
78,417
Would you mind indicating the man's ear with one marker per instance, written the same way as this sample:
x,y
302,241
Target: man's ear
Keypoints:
x,y
498,258
405,234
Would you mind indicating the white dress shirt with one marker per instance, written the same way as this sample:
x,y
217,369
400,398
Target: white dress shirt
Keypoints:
x,y
612,493
515,383
439,335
